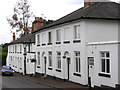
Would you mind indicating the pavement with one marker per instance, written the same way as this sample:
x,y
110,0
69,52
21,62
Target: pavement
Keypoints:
x,y
50,82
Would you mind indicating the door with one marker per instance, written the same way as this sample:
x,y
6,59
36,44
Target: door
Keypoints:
x,y
68,67
45,63
90,70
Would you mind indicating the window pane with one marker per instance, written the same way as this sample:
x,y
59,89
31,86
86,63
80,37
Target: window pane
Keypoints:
x,y
79,65
102,54
76,64
103,65
75,33
107,54
108,65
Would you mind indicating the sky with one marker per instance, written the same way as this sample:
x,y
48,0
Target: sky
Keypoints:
x,y
51,9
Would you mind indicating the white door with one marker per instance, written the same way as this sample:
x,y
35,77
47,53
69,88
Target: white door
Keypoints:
x,y
90,70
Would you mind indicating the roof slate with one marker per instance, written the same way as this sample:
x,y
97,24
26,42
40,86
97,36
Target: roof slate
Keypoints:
x,y
101,10
30,38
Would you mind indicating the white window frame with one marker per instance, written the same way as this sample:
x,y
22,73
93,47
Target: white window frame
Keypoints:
x,y
50,58
77,32
38,39
66,35
58,35
58,60
77,62
50,37
105,58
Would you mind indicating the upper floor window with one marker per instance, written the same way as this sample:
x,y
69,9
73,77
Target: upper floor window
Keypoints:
x,y
105,61
49,37
20,48
77,32
77,61
66,33
15,49
58,35
59,60
38,39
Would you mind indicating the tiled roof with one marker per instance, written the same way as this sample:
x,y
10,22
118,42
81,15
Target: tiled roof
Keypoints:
x,y
30,38
101,10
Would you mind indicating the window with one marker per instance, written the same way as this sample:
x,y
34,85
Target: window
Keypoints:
x,y
15,49
66,34
105,61
77,32
77,62
38,58
50,58
59,60
20,48
38,39
58,35
49,37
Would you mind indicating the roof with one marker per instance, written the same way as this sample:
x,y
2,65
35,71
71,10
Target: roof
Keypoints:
x,y
30,38
101,10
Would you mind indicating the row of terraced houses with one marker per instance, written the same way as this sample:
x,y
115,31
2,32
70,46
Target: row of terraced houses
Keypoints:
x,y
82,47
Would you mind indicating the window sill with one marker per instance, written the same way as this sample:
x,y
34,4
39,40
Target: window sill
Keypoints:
x,y
76,74
58,42
49,44
38,67
104,75
58,70
38,45
76,41
49,68
43,44
66,42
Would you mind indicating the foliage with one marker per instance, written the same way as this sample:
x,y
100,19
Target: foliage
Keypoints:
x,y
21,19
3,53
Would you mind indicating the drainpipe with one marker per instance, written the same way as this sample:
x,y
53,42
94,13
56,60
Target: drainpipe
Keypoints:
x,y
25,45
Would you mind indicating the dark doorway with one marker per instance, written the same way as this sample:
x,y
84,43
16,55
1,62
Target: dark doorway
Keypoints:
x,y
68,67
45,63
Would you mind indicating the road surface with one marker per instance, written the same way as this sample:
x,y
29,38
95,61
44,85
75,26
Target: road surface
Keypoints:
x,y
14,82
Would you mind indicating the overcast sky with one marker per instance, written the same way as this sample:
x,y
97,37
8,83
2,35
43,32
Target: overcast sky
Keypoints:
x,y
52,9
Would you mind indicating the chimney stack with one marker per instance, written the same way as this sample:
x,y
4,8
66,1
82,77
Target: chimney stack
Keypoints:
x,y
13,36
91,2
38,23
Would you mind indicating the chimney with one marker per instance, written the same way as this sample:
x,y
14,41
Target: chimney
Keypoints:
x,y
13,36
90,2
38,23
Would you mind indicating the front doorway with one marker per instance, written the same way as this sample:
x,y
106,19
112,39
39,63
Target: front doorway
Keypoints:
x,y
68,68
90,70
45,61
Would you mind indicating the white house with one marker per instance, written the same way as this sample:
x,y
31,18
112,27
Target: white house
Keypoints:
x,y
82,47
20,54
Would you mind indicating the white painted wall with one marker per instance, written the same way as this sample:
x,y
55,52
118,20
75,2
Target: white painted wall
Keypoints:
x,y
99,80
101,30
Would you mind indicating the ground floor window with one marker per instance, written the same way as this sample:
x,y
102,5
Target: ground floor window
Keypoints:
x,y
50,58
59,60
38,57
77,61
105,61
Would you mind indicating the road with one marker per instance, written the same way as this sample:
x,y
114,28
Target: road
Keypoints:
x,y
14,82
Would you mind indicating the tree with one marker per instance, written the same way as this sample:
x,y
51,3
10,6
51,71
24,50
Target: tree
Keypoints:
x,y
21,19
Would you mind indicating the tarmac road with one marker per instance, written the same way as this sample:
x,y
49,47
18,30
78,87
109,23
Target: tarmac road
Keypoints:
x,y
14,82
